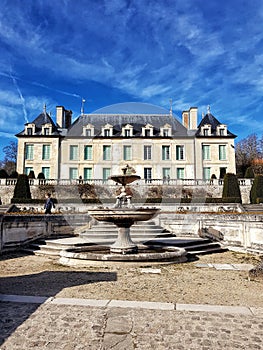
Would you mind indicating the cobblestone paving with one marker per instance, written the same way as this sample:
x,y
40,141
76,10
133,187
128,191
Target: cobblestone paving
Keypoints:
x,y
53,326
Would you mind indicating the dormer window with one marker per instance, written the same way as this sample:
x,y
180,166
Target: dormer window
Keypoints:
x,y
30,129
147,130
88,130
107,130
127,130
166,130
206,130
221,130
46,129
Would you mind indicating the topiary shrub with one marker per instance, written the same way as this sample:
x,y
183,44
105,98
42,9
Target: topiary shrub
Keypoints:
x,y
256,189
41,176
22,189
3,174
31,174
231,187
14,175
249,174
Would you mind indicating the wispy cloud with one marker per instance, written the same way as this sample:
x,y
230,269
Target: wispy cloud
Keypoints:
x,y
194,53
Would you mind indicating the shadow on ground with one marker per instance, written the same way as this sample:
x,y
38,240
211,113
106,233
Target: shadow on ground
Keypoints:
x,y
48,284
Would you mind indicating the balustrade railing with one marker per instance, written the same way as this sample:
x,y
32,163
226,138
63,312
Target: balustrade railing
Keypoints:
x,y
152,182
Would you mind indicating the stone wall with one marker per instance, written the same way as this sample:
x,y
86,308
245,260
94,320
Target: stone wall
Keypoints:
x,y
140,191
239,229
17,230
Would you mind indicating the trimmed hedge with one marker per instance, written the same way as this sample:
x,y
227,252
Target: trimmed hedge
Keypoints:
x,y
231,187
22,188
256,189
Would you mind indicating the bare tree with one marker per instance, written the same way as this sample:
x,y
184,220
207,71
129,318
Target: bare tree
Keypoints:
x,y
9,162
247,151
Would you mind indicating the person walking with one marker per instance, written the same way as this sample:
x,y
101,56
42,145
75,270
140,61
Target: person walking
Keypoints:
x,y
49,204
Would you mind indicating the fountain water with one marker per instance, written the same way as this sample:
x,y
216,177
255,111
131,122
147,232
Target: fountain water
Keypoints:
x,y
124,214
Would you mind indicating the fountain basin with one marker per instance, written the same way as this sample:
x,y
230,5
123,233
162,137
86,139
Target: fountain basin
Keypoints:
x,y
101,256
123,215
123,218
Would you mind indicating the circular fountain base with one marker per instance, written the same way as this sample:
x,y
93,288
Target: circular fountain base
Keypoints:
x,y
103,256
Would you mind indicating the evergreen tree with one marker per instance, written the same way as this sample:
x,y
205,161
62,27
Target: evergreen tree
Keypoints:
x,y
256,189
22,188
231,188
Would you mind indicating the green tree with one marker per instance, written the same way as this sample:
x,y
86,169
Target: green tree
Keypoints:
x,y
231,190
3,174
256,191
22,188
249,174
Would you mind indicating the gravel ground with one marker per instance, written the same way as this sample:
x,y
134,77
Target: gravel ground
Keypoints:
x,y
177,283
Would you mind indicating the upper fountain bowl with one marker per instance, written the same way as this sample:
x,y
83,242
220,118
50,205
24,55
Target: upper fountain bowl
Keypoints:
x,y
125,179
128,176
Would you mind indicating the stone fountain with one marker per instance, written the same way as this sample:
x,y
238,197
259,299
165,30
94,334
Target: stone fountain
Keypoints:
x,y
123,214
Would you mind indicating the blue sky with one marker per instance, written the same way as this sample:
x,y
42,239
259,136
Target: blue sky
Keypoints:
x,y
195,52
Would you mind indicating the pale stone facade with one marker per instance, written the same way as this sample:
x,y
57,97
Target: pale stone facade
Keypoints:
x,y
97,145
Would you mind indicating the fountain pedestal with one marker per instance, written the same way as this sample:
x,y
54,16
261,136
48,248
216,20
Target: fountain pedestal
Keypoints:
x,y
124,243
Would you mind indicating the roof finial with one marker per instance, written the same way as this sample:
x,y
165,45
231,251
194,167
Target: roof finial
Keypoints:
x,y
203,115
45,108
82,106
171,107
208,109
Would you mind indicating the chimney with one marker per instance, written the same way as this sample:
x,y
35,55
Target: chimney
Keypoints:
x,y
193,118
60,116
185,119
63,117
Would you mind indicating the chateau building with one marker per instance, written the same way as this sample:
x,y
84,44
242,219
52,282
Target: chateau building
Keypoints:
x,y
148,138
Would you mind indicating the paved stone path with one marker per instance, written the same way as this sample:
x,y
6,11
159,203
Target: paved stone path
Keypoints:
x,y
57,323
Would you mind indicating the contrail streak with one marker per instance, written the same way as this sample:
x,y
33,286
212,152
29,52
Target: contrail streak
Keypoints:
x,y
21,97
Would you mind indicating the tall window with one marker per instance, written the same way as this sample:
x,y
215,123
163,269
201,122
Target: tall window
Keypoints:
x,y
222,152
46,172
87,152
166,173
165,152
73,173
46,152
148,174
147,152
87,173
206,173
179,152
106,152
29,152
105,173
180,173
127,153
206,152
73,152
28,169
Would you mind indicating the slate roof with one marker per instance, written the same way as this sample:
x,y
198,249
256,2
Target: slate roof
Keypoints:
x,y
211,120
42,119
120,120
